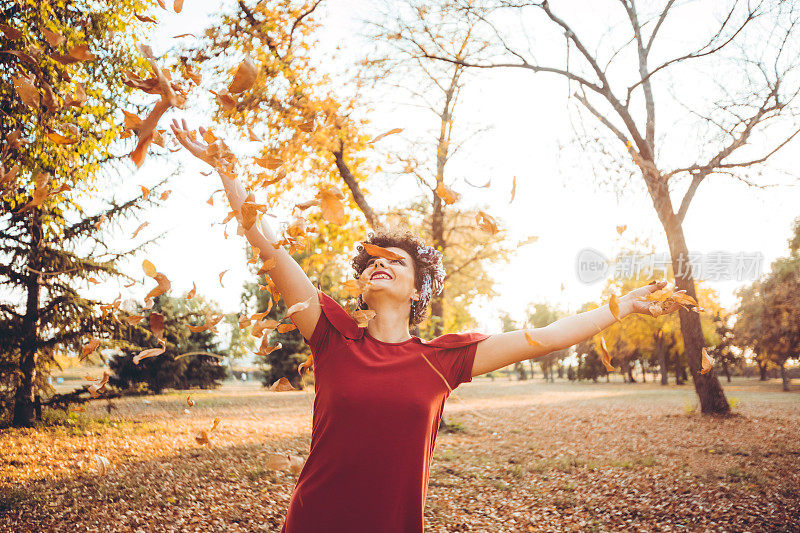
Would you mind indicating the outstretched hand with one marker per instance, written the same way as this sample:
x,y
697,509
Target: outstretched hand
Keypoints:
x,y
187,139
639,304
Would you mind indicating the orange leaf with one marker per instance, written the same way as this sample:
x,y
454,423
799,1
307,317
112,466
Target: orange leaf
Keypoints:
x,y
268,265
306,365
282,385
192,292
11,33
157,325
163,286
382,135
89,348
149,268
140,228
53,39
378,251
220,277
189,401
332,207
707,362
446,193
151,352
621,229
178,6
134,319
363,316
355,287
283,328
81,53
26,91
605,357
245,76
144,18
531,340
486,222
299,306
613,306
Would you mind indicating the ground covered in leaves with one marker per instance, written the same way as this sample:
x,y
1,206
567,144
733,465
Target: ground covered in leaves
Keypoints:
x,y
523,456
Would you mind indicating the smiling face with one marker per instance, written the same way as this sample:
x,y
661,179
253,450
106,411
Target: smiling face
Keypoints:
x,y
390,278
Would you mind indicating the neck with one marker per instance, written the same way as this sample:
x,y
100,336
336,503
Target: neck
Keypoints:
x,y
390,323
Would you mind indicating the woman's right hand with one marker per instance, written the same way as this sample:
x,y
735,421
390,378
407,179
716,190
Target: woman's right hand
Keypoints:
x,y
187,139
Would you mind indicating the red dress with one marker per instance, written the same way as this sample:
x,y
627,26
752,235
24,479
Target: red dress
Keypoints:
x,y
376,413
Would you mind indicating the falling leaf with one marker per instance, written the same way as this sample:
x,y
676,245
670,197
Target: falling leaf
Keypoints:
x,y
189,401
363,316
225,100
531,340
81,53
103,218
270,163
331,205
378,251
178,6
11,33
355,287
486,222
282,385
209,323
707,362
446,194
163,286
134,319
306,127
621,229
150,352
26,91
101,464
53,39
192,292
513,189
268,265
485,186
93,280
605,356
157,325
306,365
96,388
61,139
261,325
140,228
79,99
89,348
299,306
145,192
144,18
283,328
220,277
245,76
265,349
613,306
252,136
78,409
149,268
382,135
146,132
165,195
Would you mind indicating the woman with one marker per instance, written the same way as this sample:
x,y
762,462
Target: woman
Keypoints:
x,y
380,391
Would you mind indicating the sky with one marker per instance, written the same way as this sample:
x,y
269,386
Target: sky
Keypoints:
x,y
557,196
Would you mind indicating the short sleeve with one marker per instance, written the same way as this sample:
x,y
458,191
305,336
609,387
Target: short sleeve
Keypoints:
x,y
334,320
455,355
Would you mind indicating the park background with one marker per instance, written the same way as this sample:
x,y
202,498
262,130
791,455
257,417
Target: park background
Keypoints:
x,y
561,420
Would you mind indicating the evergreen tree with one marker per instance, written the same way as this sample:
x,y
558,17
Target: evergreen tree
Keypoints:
x,y
60,94
165,371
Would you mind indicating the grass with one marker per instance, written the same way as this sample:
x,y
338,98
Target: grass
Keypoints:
x,y
545,455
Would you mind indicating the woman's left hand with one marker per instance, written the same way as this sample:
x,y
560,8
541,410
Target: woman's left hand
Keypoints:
x,y
636,302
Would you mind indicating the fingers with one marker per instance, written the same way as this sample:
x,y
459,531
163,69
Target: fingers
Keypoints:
x,y
185,125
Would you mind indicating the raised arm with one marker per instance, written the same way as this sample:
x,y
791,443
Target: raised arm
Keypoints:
x,y
292,283
504,349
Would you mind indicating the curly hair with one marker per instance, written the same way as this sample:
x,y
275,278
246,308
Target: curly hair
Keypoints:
x,y
428,268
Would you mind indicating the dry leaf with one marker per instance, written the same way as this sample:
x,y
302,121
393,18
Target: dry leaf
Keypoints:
x,y
53,39
531,340
707,362
331,205
363,316
134,319
306,365
245,76
210,323
163,286
283,328
157,325
356,287
96,388
621,229
26,91
446,194
149,268
81,53
613,306
513,189
220,277
189,401
178,6
605,357
282,385
89,348
299,306
11,33
382,135
151,352
192,292
140,228
378,251
486,222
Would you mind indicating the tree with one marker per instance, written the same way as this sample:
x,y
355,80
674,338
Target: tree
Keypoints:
x,y
539,316
60,95
622,100
768,319
168,370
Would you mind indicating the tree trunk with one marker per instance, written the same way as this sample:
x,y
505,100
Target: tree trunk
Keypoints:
x,y
631,379
709,391
24,407
661,350
784,377
644,372
762,369
521,371
725,370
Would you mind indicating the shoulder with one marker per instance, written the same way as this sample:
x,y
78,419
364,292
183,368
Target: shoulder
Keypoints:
x,y
455,340
339,318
